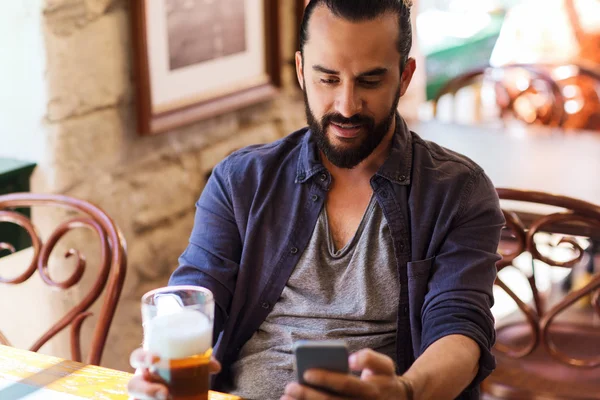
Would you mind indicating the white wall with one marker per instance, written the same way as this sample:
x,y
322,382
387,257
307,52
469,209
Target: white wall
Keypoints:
x,y
22,85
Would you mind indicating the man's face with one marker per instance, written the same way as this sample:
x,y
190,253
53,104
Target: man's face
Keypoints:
x,y
352,82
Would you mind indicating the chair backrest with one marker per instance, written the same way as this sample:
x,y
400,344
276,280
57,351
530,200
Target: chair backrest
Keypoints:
x,y
111,274
569,220
565,96
521,91
580,86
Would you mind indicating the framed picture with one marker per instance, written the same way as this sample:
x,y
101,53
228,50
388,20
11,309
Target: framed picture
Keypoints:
x,y
197,59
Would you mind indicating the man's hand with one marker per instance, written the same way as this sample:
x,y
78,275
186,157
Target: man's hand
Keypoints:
x,y
378,380
146,386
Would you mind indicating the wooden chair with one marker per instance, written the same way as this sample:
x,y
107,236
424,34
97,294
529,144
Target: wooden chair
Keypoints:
x,y
580,86
521,91
554,351
111,271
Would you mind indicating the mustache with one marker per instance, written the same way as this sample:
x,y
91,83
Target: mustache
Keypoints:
x,y
356,119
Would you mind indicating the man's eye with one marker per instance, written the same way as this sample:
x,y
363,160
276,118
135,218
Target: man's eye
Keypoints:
x,y
370,84
328,81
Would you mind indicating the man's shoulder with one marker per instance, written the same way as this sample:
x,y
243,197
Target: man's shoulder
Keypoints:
x,y
258,159
268,152
425,151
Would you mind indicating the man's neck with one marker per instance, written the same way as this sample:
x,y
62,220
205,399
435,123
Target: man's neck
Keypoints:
x,y
363,172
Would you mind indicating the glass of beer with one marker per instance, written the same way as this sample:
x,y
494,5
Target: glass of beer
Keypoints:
x,y
178,326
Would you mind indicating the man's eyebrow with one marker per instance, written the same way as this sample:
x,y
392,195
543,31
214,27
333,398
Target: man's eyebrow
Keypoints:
x,y
373,72
324,70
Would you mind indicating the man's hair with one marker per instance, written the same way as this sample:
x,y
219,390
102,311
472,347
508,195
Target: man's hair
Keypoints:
x,y
365,10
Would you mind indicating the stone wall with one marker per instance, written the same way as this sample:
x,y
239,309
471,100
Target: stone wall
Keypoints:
x,y
149,185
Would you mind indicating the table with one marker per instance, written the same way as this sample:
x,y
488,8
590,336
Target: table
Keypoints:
x,y
23,372
530,158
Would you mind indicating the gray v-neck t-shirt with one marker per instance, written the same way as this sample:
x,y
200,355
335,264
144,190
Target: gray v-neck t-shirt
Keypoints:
x,y
350,294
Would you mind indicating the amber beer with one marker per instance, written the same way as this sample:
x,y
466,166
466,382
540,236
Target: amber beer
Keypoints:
x,y
179,332
187,378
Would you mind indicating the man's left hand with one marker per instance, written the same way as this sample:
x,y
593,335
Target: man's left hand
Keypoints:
x,y
378,380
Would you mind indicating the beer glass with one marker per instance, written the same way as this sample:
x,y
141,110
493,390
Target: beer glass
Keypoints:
x,y
178,326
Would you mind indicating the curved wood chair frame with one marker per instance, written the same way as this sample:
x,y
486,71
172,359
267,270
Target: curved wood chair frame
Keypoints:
x,y
557,114
542,323
111,271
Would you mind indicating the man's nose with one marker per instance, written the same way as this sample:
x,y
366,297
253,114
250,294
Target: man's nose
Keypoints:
x,y
348,102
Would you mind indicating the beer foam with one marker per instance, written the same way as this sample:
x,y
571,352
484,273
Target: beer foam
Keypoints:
x,y
180,334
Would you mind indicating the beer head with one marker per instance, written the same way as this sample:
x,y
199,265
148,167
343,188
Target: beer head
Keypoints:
x,y
180,334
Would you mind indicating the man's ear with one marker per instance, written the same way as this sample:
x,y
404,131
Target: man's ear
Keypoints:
x,y
407,74
299,69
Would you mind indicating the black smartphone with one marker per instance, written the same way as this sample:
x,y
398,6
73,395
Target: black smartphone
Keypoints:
x,y
331,355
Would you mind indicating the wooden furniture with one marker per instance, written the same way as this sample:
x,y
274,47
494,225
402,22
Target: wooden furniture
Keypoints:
x,y
25,372
554,352
580,86
522,91
111,274
556,95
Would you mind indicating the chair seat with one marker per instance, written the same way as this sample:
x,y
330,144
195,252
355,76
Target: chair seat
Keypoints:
x,y
538,375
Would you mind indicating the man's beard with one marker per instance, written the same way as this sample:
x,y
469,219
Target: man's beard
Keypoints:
x,y
352,156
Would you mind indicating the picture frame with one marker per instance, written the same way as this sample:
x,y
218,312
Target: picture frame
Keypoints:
x,y
197,59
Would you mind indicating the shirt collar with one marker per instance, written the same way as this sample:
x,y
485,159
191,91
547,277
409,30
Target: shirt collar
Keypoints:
x,y
396,168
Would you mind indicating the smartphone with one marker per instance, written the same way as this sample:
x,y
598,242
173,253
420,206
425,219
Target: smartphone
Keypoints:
x,y
331,355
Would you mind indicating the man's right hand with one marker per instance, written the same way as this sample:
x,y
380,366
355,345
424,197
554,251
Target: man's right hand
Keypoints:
x,y
147,386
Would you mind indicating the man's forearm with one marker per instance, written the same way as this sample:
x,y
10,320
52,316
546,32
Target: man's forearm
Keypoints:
x,y
445,369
